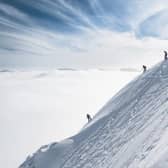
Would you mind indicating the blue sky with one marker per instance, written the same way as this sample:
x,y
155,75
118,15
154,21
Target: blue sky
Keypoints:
x,y
82,33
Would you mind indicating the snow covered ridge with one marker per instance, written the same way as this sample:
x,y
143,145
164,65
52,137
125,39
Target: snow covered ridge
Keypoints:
x,y
130,131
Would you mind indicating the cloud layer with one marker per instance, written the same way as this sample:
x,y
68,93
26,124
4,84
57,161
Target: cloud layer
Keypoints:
x,y
68,33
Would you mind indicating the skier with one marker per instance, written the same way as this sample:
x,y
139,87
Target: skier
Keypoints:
x,y
88,117
144,68
165,55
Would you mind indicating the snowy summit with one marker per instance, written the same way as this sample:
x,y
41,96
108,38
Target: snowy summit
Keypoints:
x,y
130,131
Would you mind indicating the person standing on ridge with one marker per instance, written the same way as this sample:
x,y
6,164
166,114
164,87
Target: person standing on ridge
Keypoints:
x,y
89,117
144,68
165,55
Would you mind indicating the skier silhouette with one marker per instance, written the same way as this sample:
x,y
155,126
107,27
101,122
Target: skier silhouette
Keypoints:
x,y
89,117
144,68
165,55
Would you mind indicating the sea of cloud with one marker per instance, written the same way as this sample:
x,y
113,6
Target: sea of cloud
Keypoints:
x,y
40,107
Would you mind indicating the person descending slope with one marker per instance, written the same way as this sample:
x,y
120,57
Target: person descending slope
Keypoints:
x,y
89,117
144,68
165,55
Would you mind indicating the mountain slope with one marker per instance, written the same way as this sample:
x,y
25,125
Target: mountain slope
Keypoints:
x,y
130,131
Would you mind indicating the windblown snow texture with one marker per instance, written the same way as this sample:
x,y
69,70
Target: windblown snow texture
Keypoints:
x,y
131,131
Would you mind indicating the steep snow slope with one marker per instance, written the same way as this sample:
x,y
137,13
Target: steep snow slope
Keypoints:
x,y
131,131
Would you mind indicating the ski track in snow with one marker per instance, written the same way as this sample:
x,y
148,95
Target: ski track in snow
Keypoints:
x,y
131,131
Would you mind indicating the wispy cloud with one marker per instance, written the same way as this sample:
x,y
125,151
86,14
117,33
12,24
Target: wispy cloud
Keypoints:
x,y
155,25
81,33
